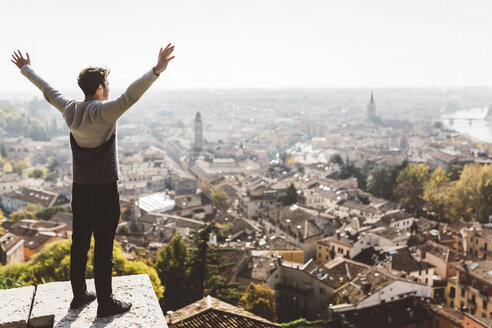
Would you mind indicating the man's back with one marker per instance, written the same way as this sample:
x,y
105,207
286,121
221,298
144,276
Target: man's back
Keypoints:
x,y
91,122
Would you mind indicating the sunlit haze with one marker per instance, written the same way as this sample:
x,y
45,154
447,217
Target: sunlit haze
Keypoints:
x,y
254,43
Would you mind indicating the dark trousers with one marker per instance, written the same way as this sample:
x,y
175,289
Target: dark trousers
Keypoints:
x,y
96,209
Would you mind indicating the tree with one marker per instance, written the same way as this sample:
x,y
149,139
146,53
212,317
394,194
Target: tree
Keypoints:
x,y
337,159
47,213
124,230
199,257
224,231
470,197
379,183
292,196
206,265
173,270
259,300
349,170
219,198
410,187
7,282
52,164
453,172
436,192
21,215
37,173
28,213
53,264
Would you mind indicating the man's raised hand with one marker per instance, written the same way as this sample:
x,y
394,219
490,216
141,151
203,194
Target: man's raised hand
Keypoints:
x,y
163,59
19,60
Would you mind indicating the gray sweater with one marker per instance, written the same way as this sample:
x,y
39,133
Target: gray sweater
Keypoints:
x,y
92,127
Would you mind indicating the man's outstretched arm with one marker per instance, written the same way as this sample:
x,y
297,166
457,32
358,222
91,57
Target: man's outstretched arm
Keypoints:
x,y
54,97
110,111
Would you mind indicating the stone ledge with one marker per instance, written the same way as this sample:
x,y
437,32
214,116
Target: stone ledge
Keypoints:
x,y
51,305
15,305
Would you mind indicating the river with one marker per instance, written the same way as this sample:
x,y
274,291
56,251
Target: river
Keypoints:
x,y
474,122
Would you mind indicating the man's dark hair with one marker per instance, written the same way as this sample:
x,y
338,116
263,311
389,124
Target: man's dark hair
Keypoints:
x,y
90,78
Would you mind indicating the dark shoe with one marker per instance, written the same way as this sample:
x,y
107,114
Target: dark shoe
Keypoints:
x,y
112,307
82,299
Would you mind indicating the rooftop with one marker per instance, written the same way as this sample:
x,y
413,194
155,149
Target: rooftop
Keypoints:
x,y
211,312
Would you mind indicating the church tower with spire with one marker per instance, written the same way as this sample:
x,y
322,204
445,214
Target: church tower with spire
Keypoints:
x,y
371,109
198,132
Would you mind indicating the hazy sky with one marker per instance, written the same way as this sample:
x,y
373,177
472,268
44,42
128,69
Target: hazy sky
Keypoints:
x,y
253,43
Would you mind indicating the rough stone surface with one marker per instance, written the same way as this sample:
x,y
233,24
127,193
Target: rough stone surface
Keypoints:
x,y
52,305
14,306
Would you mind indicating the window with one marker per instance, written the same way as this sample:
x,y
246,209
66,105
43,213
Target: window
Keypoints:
x,y
484,304
322,291
451,303
326,257
462,292
452,292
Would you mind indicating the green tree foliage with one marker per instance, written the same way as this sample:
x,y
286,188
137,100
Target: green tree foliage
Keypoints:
x,y
53,264
292,197
28,213
224,231
435,193
259,300
337,159
190,274
47,213
215,286
349,170
18,167
173,265
199,258
6,282
37,173
379,183
470,197
52,164
410,187
453,172
219,199
382,181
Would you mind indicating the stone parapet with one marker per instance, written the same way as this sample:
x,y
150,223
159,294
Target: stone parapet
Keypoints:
x,y
48,305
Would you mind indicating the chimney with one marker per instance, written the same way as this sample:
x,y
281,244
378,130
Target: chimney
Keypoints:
x,y
170,316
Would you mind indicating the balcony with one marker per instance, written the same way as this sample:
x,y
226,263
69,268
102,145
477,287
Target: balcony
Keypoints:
x,y
294,290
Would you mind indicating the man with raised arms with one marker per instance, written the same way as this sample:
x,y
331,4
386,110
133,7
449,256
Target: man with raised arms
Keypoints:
x,y
95,196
